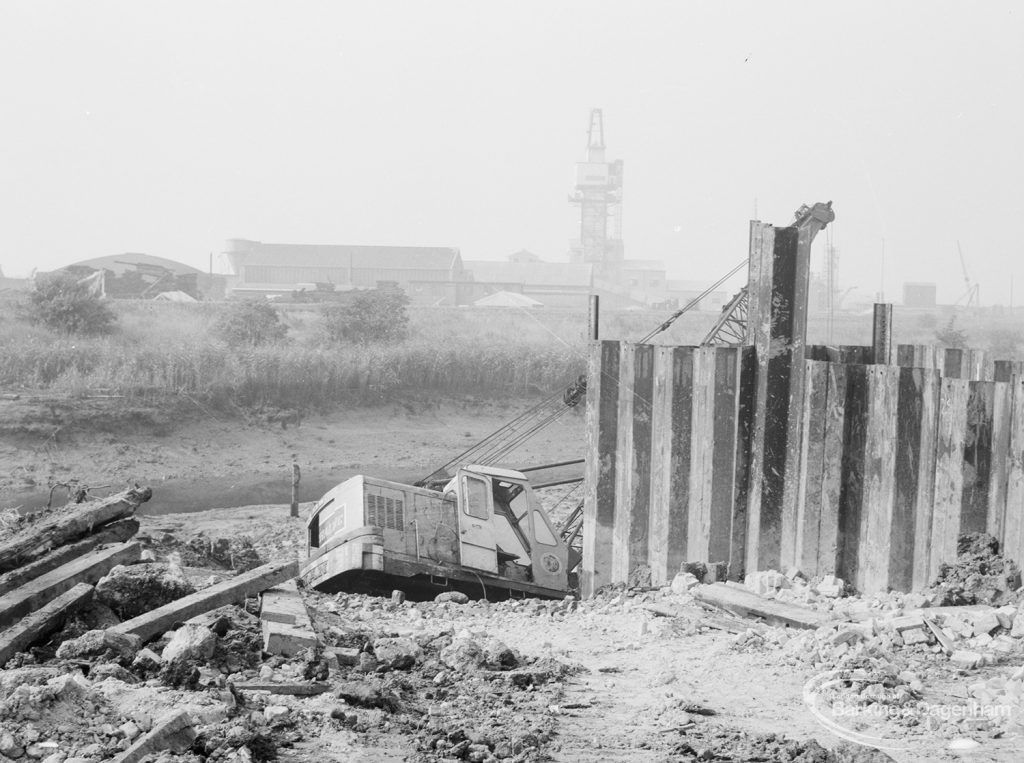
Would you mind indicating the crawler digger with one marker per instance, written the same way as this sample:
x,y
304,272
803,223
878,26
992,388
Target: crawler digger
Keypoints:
x,y
468,526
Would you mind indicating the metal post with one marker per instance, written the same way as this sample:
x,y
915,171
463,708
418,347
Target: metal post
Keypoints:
x,y
593,317
295,489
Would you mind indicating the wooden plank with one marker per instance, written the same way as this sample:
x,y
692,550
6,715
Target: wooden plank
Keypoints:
x,y
930,387
1013,521
701,456
949,471
68,524
791,277
851,495
1002,370
230,591
908,474
723,461
914,472
977,457
881,335
1000,461
762,244
952,363
661,468
832,470
682,455
759,282
749,604
294,689
602,438
44,589
115,532
877,524
43,621
856,354
745,412
905,355
624,462
978,366
643,394
812,464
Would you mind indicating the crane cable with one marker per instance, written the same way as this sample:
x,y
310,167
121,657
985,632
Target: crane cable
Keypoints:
x,y
694,302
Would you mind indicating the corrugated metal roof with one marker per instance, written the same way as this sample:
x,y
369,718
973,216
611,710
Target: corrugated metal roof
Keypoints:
x,y
345,255
121,263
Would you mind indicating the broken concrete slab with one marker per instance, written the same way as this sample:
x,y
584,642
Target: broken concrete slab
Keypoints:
x,y
286,640
174,733
749,604
44,589
283,604
286,626
43,621
115,532
986,622
69,524
230,591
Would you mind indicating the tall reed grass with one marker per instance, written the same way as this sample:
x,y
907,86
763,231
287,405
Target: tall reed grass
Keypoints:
x,y
165,348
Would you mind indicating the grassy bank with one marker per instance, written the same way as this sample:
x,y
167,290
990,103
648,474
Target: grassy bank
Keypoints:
x,y
164,348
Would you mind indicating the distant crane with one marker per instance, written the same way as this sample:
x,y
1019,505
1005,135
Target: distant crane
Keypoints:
x,y
971,295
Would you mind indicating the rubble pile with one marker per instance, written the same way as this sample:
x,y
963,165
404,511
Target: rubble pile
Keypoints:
x,y
713,741
143,660
980,576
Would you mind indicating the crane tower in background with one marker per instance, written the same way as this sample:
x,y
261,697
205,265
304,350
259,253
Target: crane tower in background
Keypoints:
x,y
598,192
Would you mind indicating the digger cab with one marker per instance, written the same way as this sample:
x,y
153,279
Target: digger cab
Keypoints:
x,y
503,529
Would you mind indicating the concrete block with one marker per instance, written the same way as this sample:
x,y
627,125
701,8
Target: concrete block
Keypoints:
x,y
683,582
286,640
966,660
905,623
174,733
985,623
1017,629
915,635
344,655
764,582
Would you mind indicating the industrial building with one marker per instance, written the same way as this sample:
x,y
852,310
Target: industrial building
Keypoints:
x,y
432,275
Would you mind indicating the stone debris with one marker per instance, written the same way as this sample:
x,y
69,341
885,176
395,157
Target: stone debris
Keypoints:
x,y
980,574
131,590
190,642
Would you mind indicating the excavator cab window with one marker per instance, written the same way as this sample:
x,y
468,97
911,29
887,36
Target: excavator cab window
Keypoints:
x,y
476,497
511,536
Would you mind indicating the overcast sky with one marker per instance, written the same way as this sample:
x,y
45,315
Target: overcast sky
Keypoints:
x,y
168,127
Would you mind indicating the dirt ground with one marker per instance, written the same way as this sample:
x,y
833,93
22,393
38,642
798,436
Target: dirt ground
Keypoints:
x,y
207,460
639,687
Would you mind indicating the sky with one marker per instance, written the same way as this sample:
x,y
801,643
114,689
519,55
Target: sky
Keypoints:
x,y
169,127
